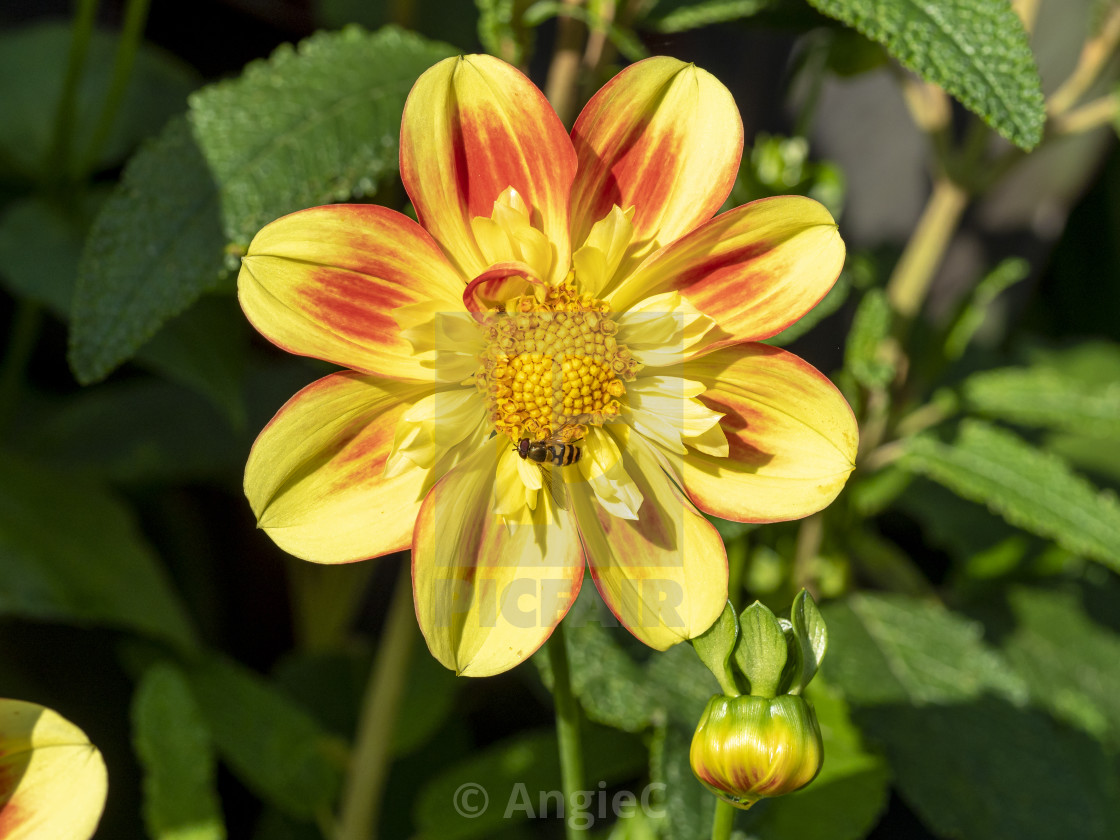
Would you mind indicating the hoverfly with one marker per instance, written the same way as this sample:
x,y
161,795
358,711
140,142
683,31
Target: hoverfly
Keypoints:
x,y
557,451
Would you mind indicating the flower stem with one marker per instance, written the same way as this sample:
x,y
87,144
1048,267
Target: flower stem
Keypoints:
x,y
563,73
58,154
135,16
910,281
369,761
567,730
723,820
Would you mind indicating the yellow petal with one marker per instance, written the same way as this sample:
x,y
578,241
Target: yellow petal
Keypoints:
x,y
754,270
663,137
488,593
53,781
791,435
315,477
664,575
665,410
324,282
473,127
597,260
663,329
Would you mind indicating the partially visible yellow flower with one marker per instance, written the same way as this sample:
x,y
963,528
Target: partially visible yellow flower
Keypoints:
x,y
573,290
52,779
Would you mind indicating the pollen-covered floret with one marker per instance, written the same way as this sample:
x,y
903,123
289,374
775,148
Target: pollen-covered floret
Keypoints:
x,y
553,364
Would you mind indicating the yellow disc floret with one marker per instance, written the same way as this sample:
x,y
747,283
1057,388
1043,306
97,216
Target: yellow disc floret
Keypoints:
x,y
552,364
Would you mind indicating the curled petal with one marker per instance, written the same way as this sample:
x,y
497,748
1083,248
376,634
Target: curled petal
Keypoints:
x,y
324,282
662,330
474,126
488,592
663,137
792,437
665,410
601,467
315,474
755,269
432,426
53,782
664,574
501,283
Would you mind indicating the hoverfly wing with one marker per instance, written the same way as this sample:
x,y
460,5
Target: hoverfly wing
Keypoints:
x,y
554,483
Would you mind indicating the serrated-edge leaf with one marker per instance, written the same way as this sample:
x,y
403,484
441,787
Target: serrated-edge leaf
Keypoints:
x,y
155,247
1045,397
902,651
1030,488
310,125
71,551
180,767
863,355
984,58
273,745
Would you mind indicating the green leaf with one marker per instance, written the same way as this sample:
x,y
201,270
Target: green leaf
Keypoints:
x,y
762,651
173,745
899,650
865,353
205,349
70,551
136,430
32,68
1045,397
1028,487
312,125
512,779
273,745
1067,658
976,309
715,645
612,688
40,244
155,248
988,770
977,50
683,15
688,807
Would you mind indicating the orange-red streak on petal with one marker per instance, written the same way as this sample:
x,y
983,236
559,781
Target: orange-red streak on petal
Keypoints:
x,y
662,136
474,126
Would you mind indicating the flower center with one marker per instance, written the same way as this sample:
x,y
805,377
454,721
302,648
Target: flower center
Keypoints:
x,y
553,364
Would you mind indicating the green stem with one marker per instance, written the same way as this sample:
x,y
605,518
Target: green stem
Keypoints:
x,y
58,155
724,819
135,16
369,761
910,281
21,343
567,730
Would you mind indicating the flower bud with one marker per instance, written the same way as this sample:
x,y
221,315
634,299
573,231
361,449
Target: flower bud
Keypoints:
x,y
749,747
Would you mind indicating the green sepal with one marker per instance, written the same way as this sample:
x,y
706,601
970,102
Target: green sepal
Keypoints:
x,y
810,639
761,653
715,646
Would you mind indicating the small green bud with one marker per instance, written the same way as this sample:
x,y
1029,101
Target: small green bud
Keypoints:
x,y
750,747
